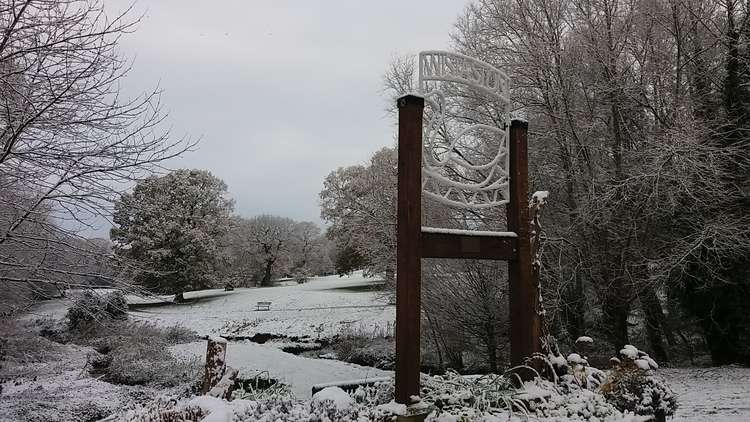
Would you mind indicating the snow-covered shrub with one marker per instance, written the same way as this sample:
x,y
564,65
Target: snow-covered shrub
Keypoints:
x,y
301,275
92,307
323,409
375,347
164,410
178,334
136,353
453,391
145,362
572,371
581,373
260,387
633,385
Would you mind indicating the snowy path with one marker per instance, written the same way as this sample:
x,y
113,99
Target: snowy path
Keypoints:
x,y
710,394
299,372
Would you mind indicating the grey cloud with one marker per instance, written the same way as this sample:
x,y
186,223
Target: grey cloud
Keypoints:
x,y
280,92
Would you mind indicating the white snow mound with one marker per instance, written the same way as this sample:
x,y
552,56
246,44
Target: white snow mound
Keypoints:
x,y
340,398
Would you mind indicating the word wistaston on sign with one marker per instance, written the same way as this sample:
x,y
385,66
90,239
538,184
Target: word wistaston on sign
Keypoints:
x,y
445,66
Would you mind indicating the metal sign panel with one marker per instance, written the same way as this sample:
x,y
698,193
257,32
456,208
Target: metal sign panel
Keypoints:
x,y
464,164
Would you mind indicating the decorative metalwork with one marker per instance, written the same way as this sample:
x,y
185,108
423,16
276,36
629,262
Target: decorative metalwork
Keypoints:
x,y
465,163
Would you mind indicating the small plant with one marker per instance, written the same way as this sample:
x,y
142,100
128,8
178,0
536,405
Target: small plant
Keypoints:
x,y
632,385
92,307
261,387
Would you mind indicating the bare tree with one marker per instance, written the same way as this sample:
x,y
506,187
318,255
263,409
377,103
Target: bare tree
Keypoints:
x,y
69,141
360,203
628,133
271,239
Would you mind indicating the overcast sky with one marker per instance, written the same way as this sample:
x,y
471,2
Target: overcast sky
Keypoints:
x,y
280,92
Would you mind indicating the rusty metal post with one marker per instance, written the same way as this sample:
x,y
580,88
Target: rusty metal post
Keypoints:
x,y
408,260
525,325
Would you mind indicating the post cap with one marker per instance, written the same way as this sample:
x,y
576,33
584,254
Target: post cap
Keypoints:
x,y
409,99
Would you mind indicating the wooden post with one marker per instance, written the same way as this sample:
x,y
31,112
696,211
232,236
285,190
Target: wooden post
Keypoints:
x,y
408,260
525,325
216,363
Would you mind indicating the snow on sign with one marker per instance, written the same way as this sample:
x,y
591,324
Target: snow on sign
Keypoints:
x,y
444,66
464,165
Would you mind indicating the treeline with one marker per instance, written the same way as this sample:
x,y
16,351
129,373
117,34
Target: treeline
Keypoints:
x,y
180,230
639,116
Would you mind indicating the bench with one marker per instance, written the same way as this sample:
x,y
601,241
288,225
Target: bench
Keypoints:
x,y
263,306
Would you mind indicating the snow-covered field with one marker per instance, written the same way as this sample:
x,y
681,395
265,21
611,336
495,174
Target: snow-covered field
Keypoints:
x,y
321,307
324,307
710,394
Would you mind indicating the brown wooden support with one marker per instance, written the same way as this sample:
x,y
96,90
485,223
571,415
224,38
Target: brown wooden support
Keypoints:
x,y
466,246
413,244
525,325
408,259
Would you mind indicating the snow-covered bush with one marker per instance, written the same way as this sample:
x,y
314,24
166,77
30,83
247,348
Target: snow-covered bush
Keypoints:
x,y
327,407
454,392
132,353
633,385
260,387
144,362
374,347
92,307
448,398
301,275
178,334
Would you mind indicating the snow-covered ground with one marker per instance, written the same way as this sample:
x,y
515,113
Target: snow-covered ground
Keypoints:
x,y
710,394
322,307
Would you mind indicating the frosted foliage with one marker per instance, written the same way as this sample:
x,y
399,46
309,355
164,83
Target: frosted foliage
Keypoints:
x,y
464,163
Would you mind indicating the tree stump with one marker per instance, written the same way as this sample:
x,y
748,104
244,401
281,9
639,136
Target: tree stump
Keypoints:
x,y
216,363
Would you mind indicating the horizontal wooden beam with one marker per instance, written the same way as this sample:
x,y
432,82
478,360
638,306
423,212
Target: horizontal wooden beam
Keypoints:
x,y
452,245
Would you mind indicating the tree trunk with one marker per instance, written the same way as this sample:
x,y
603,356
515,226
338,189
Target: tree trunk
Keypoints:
x,y
575,309
267,274
616,322
434,336
654,324
491,343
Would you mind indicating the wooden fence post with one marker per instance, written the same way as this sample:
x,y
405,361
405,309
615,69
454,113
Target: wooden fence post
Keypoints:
x,y
216,363
408,260
525,325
